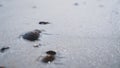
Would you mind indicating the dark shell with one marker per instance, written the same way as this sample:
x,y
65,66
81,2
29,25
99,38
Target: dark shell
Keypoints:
x,y
32,36
4,49
48,58
51,52
44,23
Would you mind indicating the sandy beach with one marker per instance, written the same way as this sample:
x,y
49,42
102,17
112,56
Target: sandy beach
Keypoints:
x,y
83,33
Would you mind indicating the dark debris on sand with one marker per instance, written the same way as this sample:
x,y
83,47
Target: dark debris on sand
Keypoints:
x,y
3,49
44,23
49,57
50,52
32,35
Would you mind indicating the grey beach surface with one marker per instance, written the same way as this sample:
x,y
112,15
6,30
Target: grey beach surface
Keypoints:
x,y
83,33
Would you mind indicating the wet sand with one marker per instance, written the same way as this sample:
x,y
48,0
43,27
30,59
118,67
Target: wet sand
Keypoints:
x,y
85,35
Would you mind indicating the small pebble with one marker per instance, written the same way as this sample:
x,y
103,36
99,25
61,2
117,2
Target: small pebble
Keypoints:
x,y
51,52
4,49
44,23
